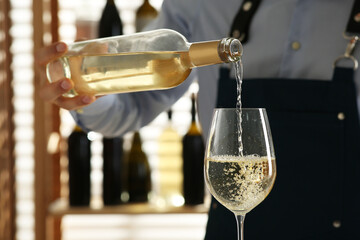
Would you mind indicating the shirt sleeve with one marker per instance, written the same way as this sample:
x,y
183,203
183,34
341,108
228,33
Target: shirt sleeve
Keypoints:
x,y
114,115
177,15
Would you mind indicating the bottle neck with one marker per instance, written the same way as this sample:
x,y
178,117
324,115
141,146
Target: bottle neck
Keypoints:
x,y
194,129
215,52
193,108
169,113
147,9
77,129
136,143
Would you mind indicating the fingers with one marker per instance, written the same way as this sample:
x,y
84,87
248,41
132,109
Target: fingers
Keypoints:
x,y
53,93
49,53
75,102
50,92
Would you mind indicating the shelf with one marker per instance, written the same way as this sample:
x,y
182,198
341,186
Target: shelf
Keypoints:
x,y
60,207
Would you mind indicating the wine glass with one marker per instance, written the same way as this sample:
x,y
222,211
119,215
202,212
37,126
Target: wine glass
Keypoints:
x,y
240,164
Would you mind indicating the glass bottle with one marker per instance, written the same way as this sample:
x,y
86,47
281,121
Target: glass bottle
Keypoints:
x,y
193,161
79,155
145,14
158,59
170,177
139,178
110,23
112,170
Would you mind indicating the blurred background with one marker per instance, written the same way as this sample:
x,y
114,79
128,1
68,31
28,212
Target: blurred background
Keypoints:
x,y
34,178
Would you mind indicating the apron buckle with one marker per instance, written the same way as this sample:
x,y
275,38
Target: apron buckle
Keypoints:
x,y
349,51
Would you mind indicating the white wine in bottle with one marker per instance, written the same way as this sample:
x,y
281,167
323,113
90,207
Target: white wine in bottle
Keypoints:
x,y
170,178
144,15
158,59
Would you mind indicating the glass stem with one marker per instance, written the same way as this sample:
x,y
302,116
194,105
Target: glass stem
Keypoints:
x,y
240,224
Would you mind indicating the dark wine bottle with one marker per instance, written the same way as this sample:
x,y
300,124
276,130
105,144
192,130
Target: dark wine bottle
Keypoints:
x,y
145,14
79,154
139,176
110,22
193,161
111,25
112,170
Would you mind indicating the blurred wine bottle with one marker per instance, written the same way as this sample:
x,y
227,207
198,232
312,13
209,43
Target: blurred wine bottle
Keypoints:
x,y
193,161
169,191
145,14
139,175
112,170
79,154
110,22
111,25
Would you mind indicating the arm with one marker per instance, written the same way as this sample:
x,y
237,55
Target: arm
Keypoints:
x,y
114,115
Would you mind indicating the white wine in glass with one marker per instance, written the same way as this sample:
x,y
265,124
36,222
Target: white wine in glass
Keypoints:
x,y
240,167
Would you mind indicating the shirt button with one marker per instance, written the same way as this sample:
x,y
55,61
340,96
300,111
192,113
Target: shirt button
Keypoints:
x,y
357,17
336,224
214,206
341,116
295,45
247,6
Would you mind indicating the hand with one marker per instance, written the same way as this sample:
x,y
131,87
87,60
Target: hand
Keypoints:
x,y
53,92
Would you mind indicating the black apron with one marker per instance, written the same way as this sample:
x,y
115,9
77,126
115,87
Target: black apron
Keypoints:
x,y
316,134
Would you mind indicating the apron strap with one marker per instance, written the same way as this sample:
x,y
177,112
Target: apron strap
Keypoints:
x,y
341,73
353,25
241,24
351,33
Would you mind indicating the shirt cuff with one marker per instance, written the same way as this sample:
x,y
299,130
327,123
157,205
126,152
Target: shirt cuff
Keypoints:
x,y
100,106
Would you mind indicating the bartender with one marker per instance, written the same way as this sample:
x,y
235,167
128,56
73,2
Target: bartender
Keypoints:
x,y
300,63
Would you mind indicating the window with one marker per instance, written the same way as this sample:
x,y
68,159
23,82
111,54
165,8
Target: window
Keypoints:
x,y
22,85
72,14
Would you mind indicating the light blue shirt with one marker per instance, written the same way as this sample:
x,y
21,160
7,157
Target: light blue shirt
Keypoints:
x,y
287,39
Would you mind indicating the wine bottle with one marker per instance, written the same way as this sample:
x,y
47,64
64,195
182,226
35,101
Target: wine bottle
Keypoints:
x,y
79,154
112,170
139,178
193,161
110,22
158,59
169,190
144,15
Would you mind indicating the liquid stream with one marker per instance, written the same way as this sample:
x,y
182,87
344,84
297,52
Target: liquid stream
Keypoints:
x,y
239,77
